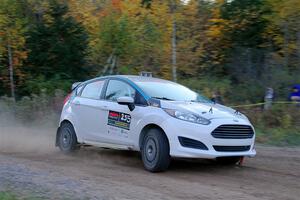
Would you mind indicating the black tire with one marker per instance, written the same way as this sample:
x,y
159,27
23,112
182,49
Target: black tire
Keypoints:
x,y
67,139
228,160
155,151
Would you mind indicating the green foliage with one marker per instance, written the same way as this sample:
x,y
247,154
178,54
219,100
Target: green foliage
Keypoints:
x,y
239,93
245,22
7,196
236,48
35,109
279,125
41,84
207,85
116,35
244,33
57,48
12,196
12,34
245,45
131,36
285,116
278,136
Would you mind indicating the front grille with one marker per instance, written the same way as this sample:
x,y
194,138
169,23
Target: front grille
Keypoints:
x,y
232,148
233,131
190,143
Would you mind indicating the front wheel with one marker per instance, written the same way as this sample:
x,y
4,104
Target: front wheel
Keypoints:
x,y
155,151
67,140
228,160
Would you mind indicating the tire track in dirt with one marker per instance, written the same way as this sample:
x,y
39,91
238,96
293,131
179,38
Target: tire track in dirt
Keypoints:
x,y
94,173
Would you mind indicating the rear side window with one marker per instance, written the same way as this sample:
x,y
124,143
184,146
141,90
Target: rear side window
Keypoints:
x,y
116,89
93,90
78,90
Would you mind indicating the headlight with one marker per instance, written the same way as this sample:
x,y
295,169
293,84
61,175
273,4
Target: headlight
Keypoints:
x,y
187,116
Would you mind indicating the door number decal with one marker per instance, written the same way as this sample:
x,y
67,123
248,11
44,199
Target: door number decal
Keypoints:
x,y
120,120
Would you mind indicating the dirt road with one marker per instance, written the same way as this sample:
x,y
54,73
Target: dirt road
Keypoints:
x,y
95,173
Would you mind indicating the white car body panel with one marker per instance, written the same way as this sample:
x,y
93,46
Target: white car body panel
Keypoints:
x,y
90,120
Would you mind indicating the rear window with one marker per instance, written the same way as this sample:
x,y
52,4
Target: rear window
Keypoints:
x,y
78,90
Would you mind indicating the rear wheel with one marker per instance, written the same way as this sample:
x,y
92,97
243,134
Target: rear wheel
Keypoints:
x,y
155,151
67,141
228,160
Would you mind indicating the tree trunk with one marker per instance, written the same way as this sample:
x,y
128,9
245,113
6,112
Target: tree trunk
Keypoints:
x,y
108,62
174,57
286,45
113,65
11,72
298,46
250,69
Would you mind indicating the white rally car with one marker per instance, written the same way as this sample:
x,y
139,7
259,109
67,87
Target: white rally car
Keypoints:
x,y
159,118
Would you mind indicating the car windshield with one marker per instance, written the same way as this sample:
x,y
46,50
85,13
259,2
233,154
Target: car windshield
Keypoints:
x,y
167,90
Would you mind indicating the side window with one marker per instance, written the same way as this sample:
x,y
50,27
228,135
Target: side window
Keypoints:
x,y
78,90
116,89
93,90
139,100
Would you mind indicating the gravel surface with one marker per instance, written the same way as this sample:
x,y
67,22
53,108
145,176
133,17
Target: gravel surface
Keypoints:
x,y
108,174
31,167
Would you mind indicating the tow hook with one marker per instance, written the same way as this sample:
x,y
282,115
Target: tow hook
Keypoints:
x,y
241,162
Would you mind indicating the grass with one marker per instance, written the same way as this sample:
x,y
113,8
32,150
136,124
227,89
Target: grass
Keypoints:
x,y
7,196
278,136
11,196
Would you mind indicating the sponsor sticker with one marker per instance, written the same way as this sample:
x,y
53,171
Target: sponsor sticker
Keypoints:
x,y
120,120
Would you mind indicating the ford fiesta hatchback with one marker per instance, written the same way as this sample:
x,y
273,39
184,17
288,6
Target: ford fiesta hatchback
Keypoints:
x,y
159,118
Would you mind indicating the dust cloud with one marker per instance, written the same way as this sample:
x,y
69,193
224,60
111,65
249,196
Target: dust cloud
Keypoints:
x,y
35,136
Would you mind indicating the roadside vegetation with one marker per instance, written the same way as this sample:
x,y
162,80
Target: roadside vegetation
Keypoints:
x,y
13,196
278,126
7,196
235,48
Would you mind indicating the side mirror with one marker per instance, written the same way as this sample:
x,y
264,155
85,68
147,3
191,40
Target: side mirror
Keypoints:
x,y
129,101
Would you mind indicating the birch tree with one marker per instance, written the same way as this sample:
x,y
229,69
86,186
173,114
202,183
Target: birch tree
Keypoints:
x,y
12,42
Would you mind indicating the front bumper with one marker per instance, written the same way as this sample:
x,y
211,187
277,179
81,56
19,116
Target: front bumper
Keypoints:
x,y
175,128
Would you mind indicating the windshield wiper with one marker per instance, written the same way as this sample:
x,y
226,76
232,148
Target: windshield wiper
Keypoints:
x,y
163,98
200,101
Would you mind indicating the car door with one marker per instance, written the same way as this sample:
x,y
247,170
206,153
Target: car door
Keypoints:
x,y
89,111
120,119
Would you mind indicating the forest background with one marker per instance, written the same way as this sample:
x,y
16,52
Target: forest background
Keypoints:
x,y
236,48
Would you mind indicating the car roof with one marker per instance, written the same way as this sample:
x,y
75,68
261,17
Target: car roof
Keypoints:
x,y
135,78
132,78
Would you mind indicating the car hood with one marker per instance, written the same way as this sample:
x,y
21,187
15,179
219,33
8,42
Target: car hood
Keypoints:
x,y
206,110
